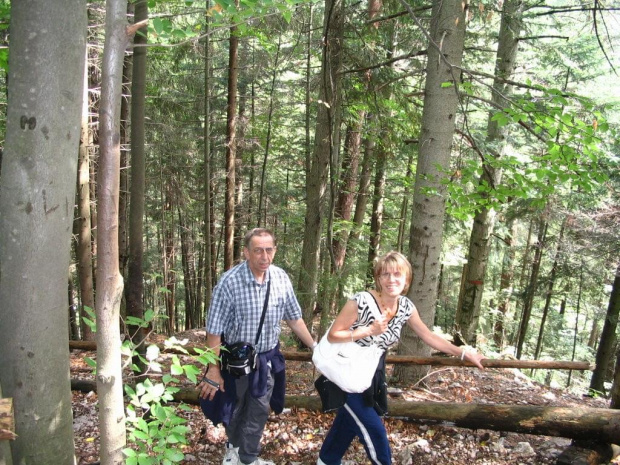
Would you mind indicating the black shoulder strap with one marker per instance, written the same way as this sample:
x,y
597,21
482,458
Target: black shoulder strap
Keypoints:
x,y
262,317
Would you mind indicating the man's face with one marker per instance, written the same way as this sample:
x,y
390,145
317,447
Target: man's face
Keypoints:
x,y
260,254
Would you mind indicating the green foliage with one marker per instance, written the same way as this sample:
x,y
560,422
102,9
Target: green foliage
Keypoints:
x,y
155,430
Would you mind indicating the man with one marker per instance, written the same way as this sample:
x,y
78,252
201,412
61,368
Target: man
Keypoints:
x,y
235,313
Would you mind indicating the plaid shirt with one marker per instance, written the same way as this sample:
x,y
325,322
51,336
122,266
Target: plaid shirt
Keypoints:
x,y
237,305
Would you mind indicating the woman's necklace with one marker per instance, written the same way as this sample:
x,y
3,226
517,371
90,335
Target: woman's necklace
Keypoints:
x,y
388,310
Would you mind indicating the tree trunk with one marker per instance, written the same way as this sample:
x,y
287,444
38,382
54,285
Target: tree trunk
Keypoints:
x,y
530,291
134,292
604,353
470,298
231,148
37,195
169,254
505,285
438,119
346,197
109,280
376,220
568,422
84,249
124,191
263,174
325,147
206,135
551,283
615,387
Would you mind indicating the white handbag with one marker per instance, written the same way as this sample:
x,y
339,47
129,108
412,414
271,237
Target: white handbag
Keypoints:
x,y
347,364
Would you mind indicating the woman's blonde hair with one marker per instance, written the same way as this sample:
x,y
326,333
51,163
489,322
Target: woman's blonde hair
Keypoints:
x,y
392,260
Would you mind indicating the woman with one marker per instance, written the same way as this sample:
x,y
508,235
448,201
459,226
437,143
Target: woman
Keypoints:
x,y
357,322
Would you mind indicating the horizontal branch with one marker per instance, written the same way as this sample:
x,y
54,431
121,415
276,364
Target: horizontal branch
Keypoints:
x,y
400,359
570,422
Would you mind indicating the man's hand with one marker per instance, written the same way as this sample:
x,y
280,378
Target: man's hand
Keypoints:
x,y
211,382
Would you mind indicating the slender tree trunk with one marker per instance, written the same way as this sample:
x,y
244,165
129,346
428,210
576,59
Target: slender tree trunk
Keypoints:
x,y
604,353
37,195
505,286
325,146
134,292
84,237
531,286
376,220
364,185
404,208
169,253
263,176
470,298
124,194
552,278
445,52
109,279
206,135
231,148
346,197
615,387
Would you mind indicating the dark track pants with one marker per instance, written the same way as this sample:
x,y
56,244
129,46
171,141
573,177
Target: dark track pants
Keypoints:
x,y
356,419
248,421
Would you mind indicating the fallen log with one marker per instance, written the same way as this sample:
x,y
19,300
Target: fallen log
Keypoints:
x,y
568,422
400,359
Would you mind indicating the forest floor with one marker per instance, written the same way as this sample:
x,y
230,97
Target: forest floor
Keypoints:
x,y
295,436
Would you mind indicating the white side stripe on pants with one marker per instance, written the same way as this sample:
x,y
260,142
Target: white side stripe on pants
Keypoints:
x,y
366,434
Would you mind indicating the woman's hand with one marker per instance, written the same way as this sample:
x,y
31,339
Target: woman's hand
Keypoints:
x,y
379,326
474,357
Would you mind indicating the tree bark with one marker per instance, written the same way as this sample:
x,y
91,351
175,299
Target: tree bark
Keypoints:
x,y
304,356
109,280
84,249
134,291
325,147
615,386
470,298
606,345
438,120
531,286
568,422
549,293
37,197
505,286
206,135
231,148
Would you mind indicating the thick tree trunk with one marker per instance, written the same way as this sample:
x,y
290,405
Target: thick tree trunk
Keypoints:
x,y
37,196
568,422
325,147
470,298
604,354
445,53
231,148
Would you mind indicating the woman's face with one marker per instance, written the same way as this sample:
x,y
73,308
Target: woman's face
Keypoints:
x,y
392,280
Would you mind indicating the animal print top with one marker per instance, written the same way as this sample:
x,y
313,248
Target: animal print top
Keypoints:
x,y
368,307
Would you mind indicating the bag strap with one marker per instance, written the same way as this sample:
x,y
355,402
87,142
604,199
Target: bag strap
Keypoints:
x,y
262,317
